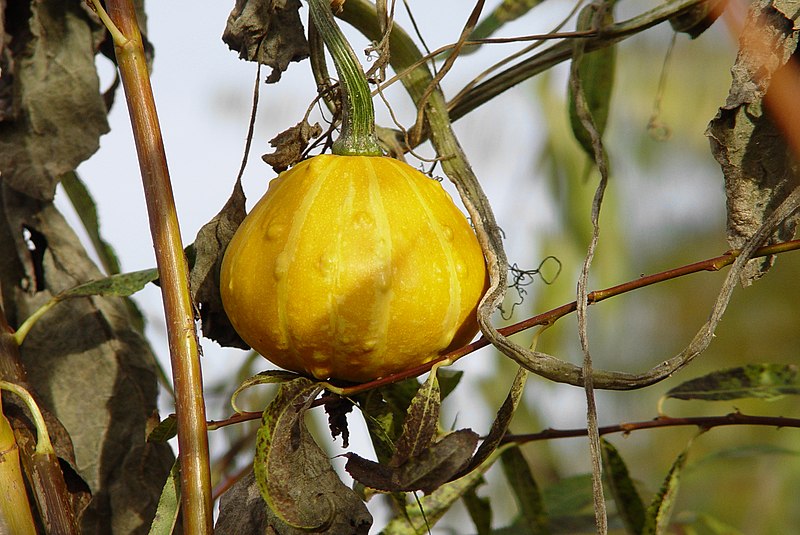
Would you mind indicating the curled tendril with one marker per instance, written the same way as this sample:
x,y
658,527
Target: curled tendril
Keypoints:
x,y
520,278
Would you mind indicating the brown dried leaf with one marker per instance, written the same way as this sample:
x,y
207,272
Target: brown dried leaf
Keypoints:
x,y
267,31
429,470
90,367
209,246
290,145
421,422
758,167
295,476
337,408
51,111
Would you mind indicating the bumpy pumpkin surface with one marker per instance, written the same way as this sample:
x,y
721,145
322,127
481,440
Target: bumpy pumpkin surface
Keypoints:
x,y
353,267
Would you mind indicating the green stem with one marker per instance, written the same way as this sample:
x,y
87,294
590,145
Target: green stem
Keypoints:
x,y
358,115
172,268
43,444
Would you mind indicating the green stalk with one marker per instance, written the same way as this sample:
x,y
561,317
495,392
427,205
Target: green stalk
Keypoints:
x,y
172,266
358,114
15,510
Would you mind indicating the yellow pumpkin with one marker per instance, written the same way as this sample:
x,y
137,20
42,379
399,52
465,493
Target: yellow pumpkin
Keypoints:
x,y
353,268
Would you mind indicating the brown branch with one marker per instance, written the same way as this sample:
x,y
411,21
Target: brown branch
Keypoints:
x,y
551,316
703,422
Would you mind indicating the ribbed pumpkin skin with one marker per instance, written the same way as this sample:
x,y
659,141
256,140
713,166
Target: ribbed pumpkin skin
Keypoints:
x,y
353,267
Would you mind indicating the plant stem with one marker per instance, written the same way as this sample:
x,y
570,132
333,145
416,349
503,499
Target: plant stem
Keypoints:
x,y
358,114
15,509
172,268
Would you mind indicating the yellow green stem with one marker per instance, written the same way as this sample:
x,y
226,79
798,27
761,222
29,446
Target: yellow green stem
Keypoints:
x,y
172,268
358,114
15,510
43,444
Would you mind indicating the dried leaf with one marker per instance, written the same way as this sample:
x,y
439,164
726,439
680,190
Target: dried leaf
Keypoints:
x,y
756,162
526,491
209,247
56,113
421,423
629,504
765,381
419,518
698,18
290,145
501,421
384,411
429,470
337,408
658,514
267,31
294,475
90,367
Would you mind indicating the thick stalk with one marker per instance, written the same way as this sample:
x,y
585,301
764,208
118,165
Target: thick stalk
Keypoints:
x,y
358,114
172,269
15,510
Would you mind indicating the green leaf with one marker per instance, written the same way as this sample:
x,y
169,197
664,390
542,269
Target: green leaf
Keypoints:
x,y
765,381
501,421
384,411
629,504
738,453
506,11
121,285
569,496
85,207
533,515
421,422
270,377
657,516
165,430
168,504
595,71
295,476
448,380
479,509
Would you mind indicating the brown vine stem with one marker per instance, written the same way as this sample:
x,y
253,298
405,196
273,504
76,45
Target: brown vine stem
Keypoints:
x,y
551,316
172,267
703,422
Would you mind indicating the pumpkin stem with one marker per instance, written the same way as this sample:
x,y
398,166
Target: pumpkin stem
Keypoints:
x,y
358,115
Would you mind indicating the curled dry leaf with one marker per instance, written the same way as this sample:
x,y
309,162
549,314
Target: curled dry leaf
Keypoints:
x,y
759,170
51,111
295,476
267,31
290,145
210,245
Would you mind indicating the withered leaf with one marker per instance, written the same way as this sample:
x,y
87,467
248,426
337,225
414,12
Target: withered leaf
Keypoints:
x,y
337,408
52,112
698,18
267,31
209,246
90,367
759,170
290,145
295,476
429,470
421,422
501,422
